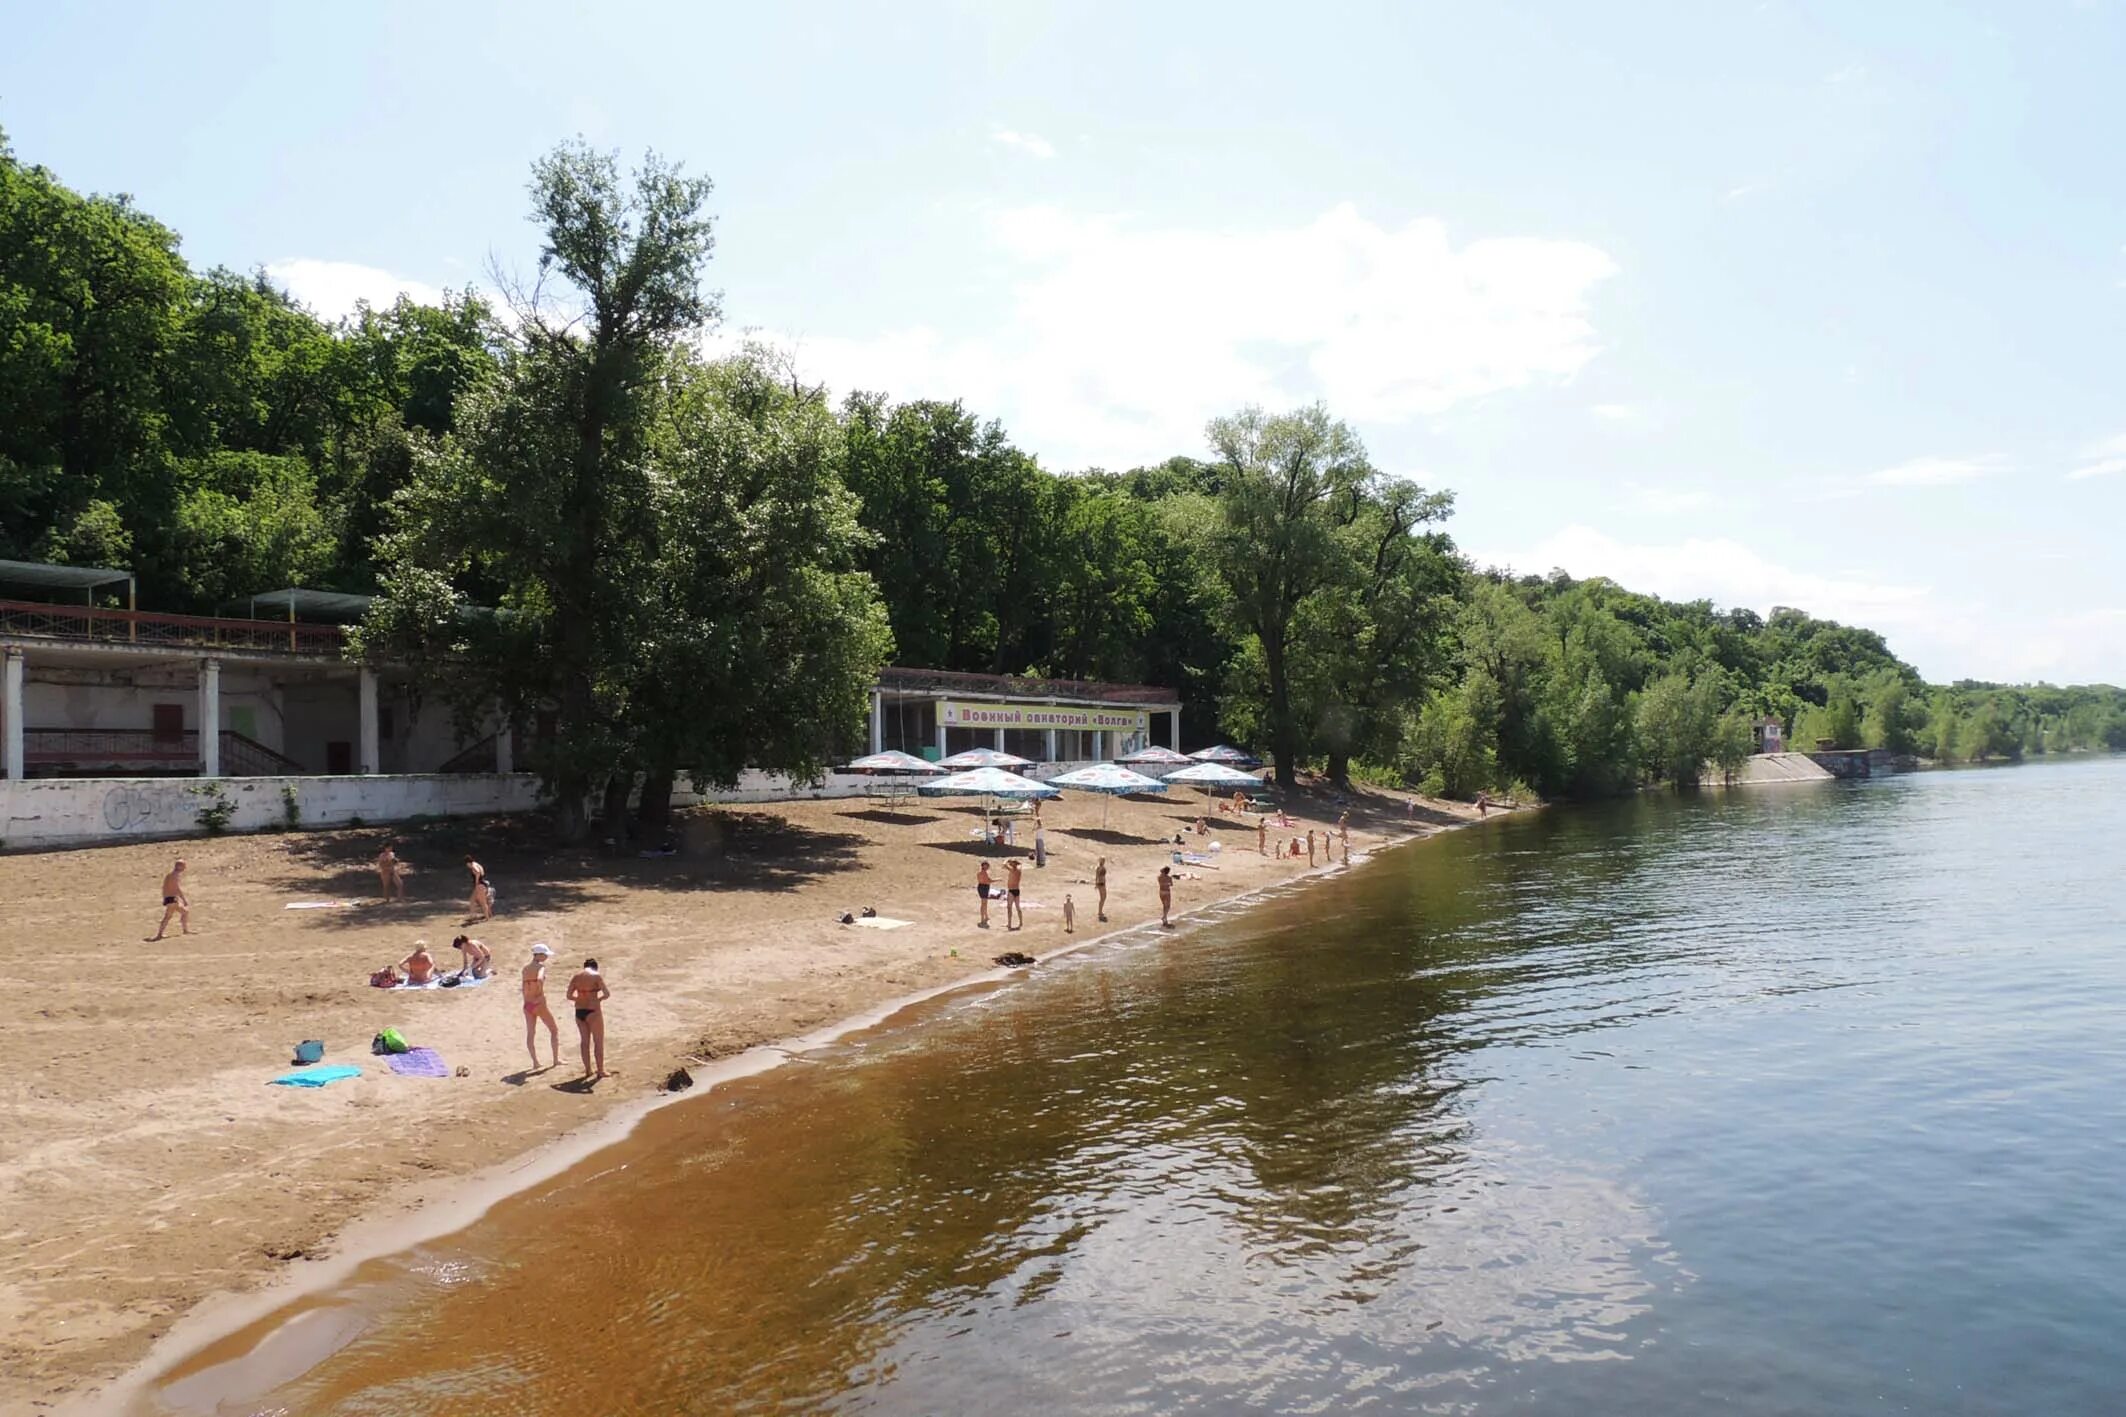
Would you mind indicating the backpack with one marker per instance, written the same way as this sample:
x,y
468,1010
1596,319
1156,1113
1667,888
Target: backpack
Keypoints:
x,y
309,1050
389,1041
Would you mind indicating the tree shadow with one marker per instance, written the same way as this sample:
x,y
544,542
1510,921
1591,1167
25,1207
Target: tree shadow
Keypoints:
x,y
886,817
720,849
982,848
1107,836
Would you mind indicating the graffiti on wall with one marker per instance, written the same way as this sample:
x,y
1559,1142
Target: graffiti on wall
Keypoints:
x,y
150,807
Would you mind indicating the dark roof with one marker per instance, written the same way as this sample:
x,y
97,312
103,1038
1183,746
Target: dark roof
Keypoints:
x,y
297,600
1019,686
43,573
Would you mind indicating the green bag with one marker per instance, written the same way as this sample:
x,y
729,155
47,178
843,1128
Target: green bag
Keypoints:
x,y
389,1041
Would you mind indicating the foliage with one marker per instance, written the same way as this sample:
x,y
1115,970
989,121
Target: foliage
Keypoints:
x,y
216,811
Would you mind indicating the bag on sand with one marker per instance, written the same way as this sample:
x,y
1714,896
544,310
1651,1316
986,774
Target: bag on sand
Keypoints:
x,y
389,1041
309,1050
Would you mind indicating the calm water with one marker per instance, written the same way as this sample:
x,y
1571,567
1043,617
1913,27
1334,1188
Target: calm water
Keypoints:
x,y
1795,1100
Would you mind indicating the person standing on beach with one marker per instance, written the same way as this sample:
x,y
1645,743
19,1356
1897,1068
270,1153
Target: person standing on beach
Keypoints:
x,y
1100,889
1262,836
1166,897
1343,828
587,992
981,888
483,896
1040,842
535,1010
391,873
1310,846
174,902
1012,909
1070,915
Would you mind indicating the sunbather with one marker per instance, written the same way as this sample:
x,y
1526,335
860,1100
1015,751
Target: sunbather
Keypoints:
x,y
420,966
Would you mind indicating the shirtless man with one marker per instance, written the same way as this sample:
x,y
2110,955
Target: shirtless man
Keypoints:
x,y
420,966
483,898
1012,909
174,902
474,958
1310,846
981,889
587,991
1262,836
535,1010
1166,897
391,873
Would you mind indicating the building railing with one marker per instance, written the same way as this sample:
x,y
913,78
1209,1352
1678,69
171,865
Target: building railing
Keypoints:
x,y
76,749
101,626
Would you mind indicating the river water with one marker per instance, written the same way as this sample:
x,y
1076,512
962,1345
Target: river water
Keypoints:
x,y
1785,1100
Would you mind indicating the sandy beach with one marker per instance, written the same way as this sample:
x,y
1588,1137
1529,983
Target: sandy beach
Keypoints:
x,y
148,1165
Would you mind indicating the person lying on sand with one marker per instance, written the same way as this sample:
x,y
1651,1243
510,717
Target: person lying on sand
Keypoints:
x,y
587,992
475,958
535,1010
420,966
174,902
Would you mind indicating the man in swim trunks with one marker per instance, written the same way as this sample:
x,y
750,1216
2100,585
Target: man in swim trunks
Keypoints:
x,y
474,957
420,966
587,991
535,1010
1262,836
1012,909
483,897
982,881
174,902
391,873
1166,897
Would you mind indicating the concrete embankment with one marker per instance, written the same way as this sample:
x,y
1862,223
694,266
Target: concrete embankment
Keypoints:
x,y
1770,768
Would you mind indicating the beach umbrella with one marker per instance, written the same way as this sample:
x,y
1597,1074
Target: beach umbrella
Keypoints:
x,y
1210,775
986,783
1227,754
1109,780
892,761
1156,759
985,758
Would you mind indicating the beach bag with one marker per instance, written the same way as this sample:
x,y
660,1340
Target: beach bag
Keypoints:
x,y
386,978
309,1050
389,1041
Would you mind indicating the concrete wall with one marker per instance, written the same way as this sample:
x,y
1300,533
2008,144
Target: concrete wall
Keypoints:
x,y
40,812
104,700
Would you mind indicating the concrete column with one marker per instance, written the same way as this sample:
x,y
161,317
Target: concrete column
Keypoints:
x,y
210,718
1000,740
1099,746
938,707
1051,745
11,712
1173,730
878,722
505,746
366,756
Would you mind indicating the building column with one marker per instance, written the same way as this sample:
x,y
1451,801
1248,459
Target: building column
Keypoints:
x,y
366,755
210,718
11,713
505,745
1099,746
937,708
1052,745
878,721
1000,740
1173,730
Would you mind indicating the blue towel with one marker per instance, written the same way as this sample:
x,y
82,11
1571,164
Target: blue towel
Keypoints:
x,y
317,1077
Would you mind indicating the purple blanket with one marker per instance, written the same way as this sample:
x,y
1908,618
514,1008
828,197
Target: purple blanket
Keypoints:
x,y
417,1063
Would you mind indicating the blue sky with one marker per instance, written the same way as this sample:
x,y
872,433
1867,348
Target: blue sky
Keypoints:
x,y
1773,303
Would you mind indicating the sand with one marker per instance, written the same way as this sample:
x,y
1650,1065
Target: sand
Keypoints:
x,y
146,1164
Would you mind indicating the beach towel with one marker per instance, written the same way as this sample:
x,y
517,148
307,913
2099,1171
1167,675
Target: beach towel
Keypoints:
x,y
418,1063
320,904
881,922
316,1077
464,982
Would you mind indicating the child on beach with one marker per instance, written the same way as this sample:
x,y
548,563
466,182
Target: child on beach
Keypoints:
x,y
981,889
1070,915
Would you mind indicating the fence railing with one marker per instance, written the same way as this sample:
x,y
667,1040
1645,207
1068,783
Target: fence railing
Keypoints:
x,y
93,623
80,748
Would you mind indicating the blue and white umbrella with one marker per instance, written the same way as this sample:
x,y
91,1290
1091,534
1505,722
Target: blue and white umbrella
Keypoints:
x,y
891,761
1109,780
985,758
1210,775
1227,754
1156,759
986,782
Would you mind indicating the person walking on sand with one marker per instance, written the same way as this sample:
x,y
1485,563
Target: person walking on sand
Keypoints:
x,y
587,992
1070,915
174,902
1166,897
535,1010
981,888
483,895
391,873
1100,889
1012,909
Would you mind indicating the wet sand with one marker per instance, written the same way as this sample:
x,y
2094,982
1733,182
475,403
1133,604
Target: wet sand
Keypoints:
x,y
148,1166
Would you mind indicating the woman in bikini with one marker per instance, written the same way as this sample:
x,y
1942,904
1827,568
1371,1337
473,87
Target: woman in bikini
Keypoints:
x,y
587,992
535,1010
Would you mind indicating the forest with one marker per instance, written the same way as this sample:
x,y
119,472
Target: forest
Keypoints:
x,y
695,564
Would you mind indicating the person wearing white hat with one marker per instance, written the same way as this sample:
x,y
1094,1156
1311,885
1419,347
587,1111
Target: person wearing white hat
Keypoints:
x,y
536,1012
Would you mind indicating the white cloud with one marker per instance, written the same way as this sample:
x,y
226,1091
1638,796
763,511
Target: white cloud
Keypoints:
x,y
331,288
2106,459
1119,341
1032,144
1669,501
1934,472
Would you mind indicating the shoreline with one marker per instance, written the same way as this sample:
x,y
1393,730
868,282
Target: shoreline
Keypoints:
x,y
387,1227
